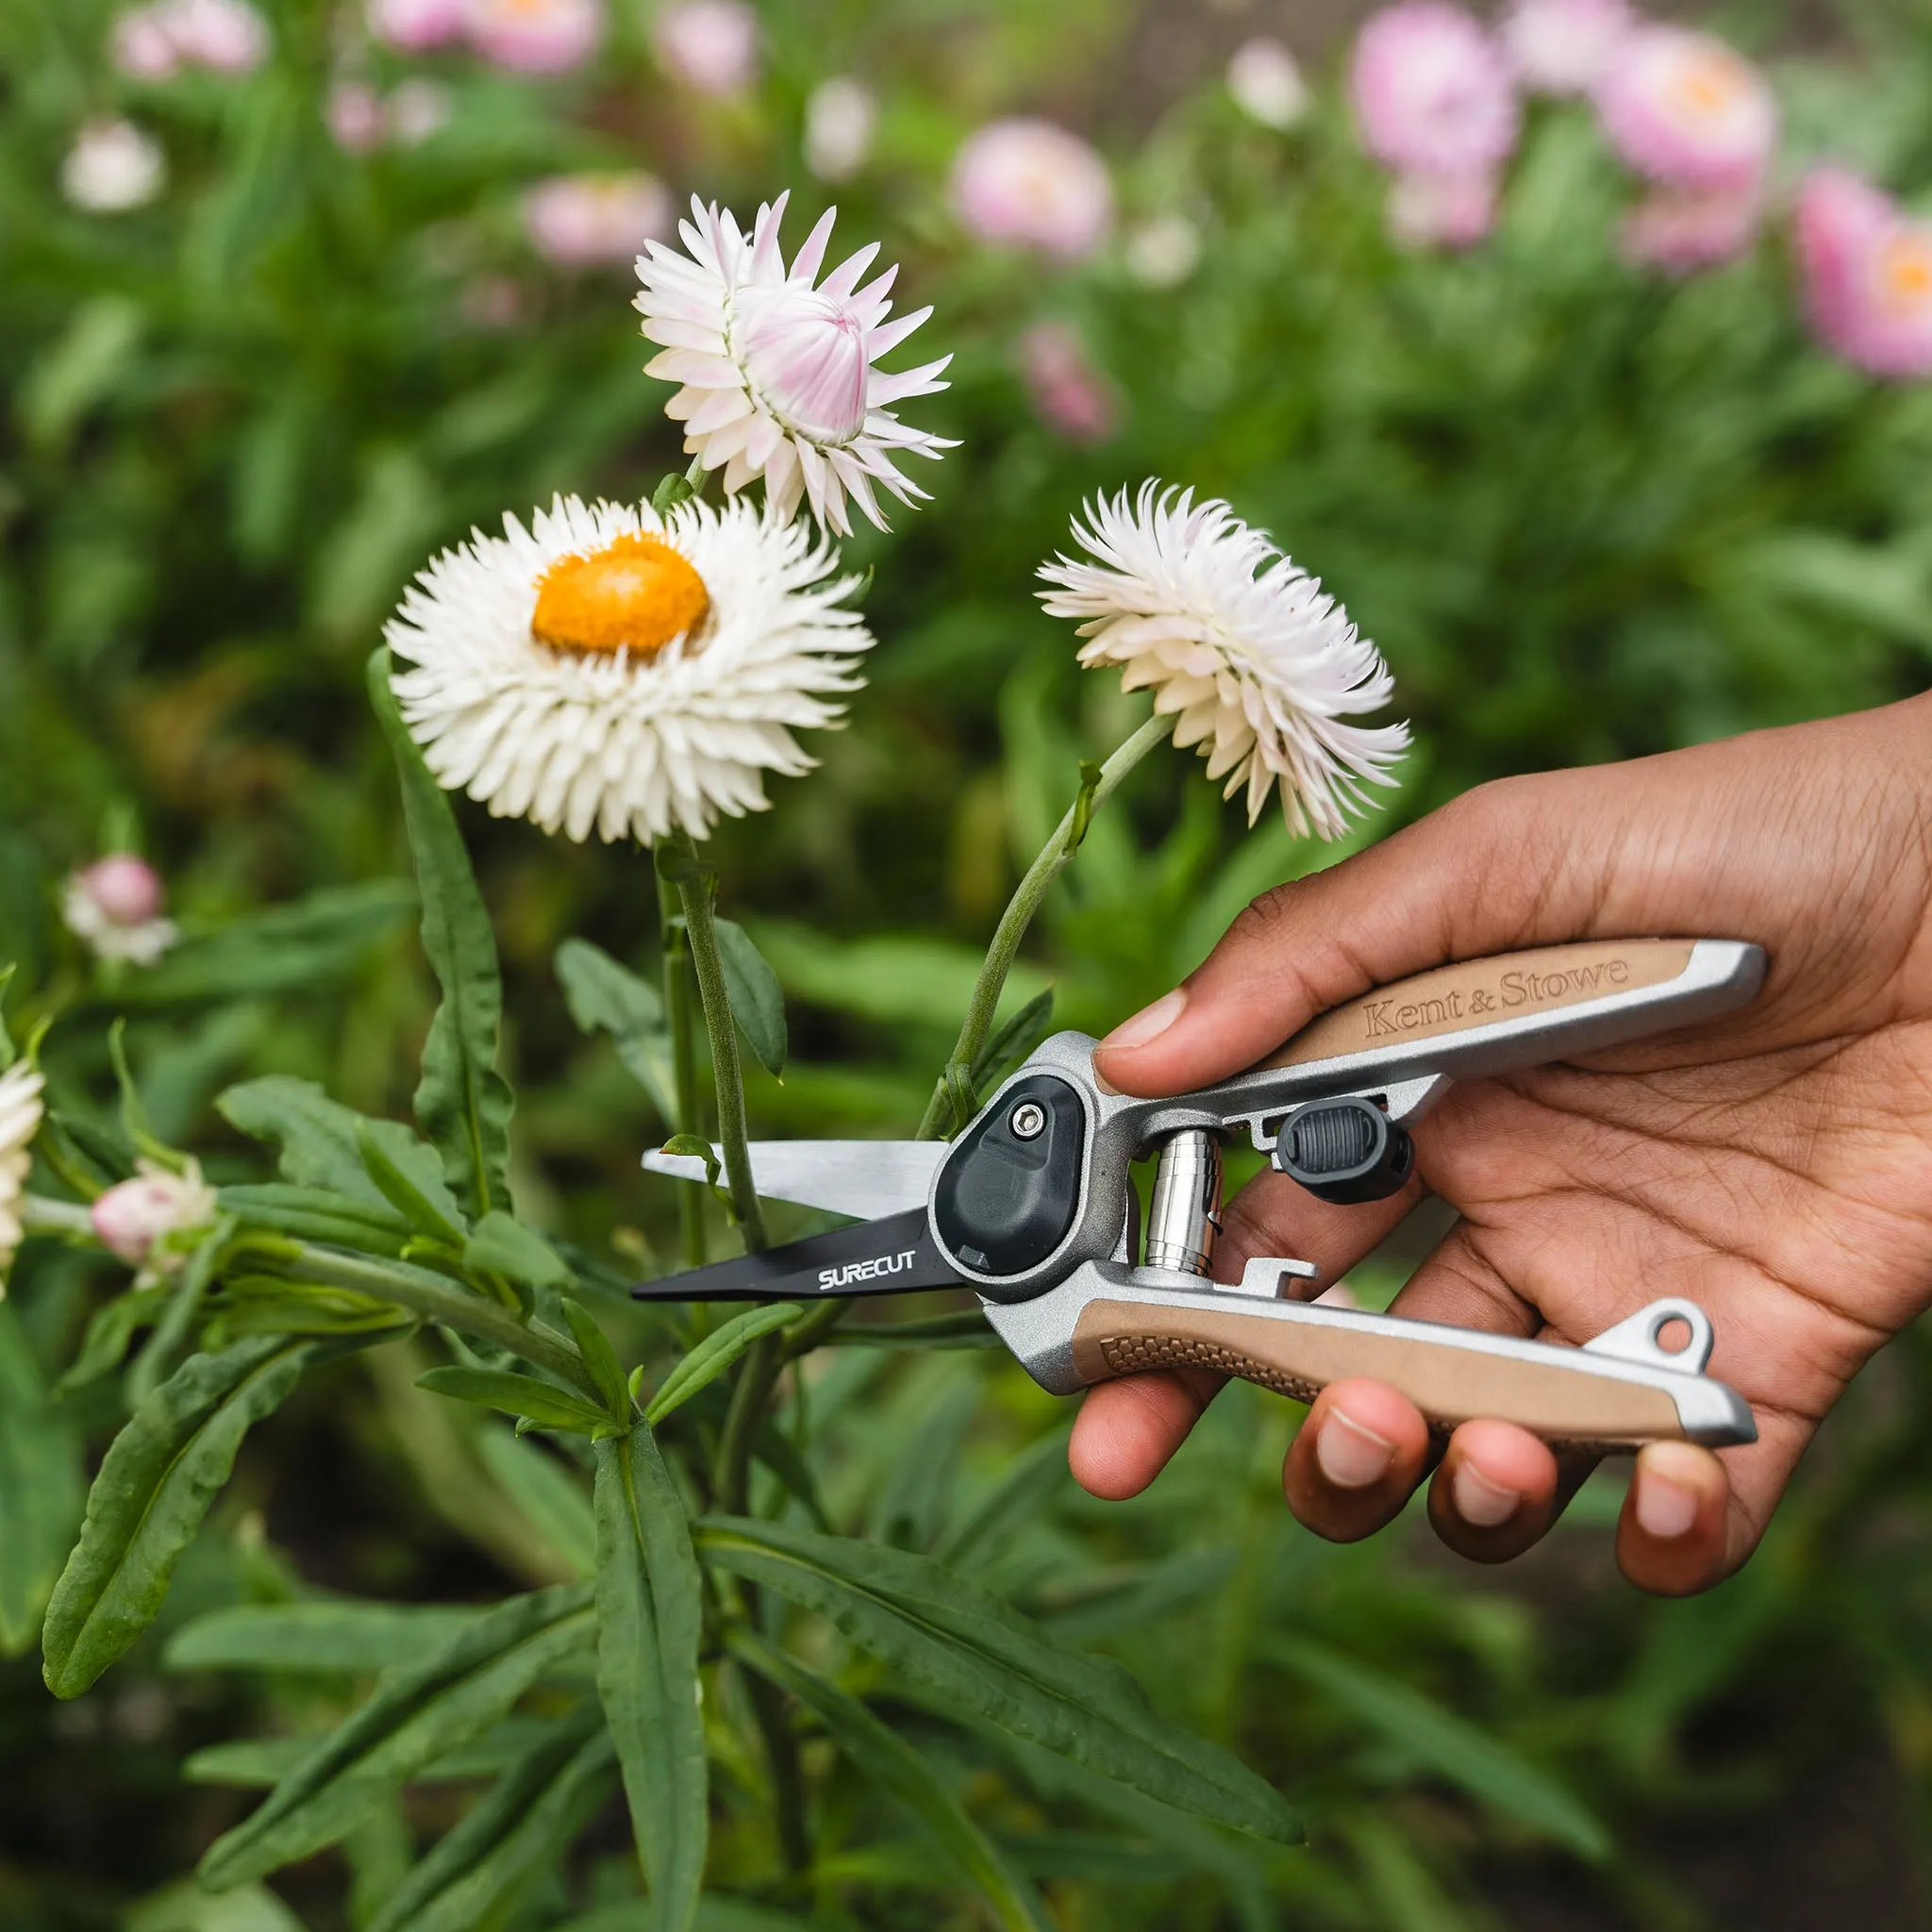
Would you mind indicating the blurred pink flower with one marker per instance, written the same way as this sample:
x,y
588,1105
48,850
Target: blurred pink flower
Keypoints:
x,y
114,906
840,121
1563,47
417,110
153,42
1680,230
1442,211
1431,91
1686,111
580,221
414,26
1867,273
355,116
534,36
1068,394
710,45
1030,182
1267,84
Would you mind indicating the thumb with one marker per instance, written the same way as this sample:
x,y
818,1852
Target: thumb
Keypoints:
x,y
1515,863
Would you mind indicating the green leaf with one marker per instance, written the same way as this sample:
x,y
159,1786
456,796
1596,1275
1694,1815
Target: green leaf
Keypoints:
x,y
899,1771
524,1397
714,1354
546,1491
315,1138
1083,805
757,1001
891,978
40,1488
318,1214
410,1177
462,1101
417,1714
186,1907
650,1618
1020,1495
503,1246
968,1329
182,1316
604,996
109,1329
285,949
1451,1746
324,1637
982,1656
599,1357
155,1485
518,1831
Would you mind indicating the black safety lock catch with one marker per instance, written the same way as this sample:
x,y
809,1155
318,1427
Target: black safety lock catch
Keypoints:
x,y
1344,1150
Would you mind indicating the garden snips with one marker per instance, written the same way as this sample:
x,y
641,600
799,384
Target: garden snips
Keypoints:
x,y
1032,1205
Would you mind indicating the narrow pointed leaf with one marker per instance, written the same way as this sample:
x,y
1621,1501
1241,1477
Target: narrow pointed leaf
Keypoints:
x,y
318,1214
410,1177
517,1831
883,1756
463,1102
1014,1041
155,1485
503,1246
757,1001
323,1637
714,1354
599,1357
548,1492
40,1488
649,1620
947,1634
608,997
418,1714
524,1397
1019,1495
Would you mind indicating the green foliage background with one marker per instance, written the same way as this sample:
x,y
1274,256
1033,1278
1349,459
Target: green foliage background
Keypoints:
x,y
1586,514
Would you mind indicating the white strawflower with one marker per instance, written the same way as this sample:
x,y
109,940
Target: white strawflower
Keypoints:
x,y
840,120
116,907
1267,84
609,667
776,376
21,1112
140,1220
111,167
1255,664
1164,251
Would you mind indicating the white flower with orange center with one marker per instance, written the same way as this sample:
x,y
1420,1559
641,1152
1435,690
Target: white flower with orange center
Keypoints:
x,y
775,367
611,669
20,1111
1241,647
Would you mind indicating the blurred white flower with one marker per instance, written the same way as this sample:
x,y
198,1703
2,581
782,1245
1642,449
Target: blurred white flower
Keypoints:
x,y
417,110
135,1219
710,45
21,1112
355,117
155,41
609,668
1252,663
534,36
112,165
578,221
1164,251
1442,211
1267,84
115,905
840,120
1030,182
1563,47
777,375
414,26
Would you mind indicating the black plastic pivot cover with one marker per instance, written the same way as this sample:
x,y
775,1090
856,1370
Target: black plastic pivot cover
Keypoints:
x,y
1006,1197
1344,1150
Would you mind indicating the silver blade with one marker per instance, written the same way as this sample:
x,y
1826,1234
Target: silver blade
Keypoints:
x,y
868,1179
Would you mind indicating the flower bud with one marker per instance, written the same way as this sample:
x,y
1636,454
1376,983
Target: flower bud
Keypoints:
x,y
132,1216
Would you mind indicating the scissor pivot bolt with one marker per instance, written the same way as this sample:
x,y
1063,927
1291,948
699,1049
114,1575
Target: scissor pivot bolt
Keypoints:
x,y
1028,1121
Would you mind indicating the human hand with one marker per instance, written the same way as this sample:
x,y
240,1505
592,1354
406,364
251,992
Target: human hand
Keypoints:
x,y
1774,1166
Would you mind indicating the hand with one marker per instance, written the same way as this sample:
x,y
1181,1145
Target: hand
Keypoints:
x,y
1774,1166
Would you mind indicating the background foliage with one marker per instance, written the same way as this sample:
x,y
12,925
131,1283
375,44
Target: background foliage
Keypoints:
x,y
1585,513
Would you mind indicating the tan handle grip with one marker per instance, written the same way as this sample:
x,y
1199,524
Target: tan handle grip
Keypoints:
x,y
1452,1376
1477,992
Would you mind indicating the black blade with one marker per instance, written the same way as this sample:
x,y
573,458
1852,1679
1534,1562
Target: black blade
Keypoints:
x,y
895,1254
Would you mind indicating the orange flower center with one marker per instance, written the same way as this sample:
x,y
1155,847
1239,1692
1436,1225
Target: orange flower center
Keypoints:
x,y
1710,85
636,594
1904,269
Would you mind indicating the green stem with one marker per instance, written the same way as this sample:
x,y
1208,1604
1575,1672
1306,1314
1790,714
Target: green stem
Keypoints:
x,y
701,935
684,1063
940,1111
752,1391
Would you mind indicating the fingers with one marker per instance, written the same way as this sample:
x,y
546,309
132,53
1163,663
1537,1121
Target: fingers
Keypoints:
x,y
1126,1430
1354,1463
1674,1537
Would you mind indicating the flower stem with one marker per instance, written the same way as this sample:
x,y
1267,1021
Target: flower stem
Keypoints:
x,y
701,935
684,1062
943,1110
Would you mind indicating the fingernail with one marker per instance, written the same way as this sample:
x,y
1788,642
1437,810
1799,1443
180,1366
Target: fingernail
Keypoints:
x,y
1150,1023
1350,1455
1664,1509
1479,1502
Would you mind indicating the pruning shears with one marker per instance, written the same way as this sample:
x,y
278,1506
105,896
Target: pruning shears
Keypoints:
x,y
1032,1205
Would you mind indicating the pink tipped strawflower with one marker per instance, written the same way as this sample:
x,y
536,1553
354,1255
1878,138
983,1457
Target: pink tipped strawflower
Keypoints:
x,y
1431,91
534,36
710,45
356,116
1033,184
414,26
1070,395
580,221
1686,111
1867,274
115,907
1563,47
153,42
1679,232
131,1218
